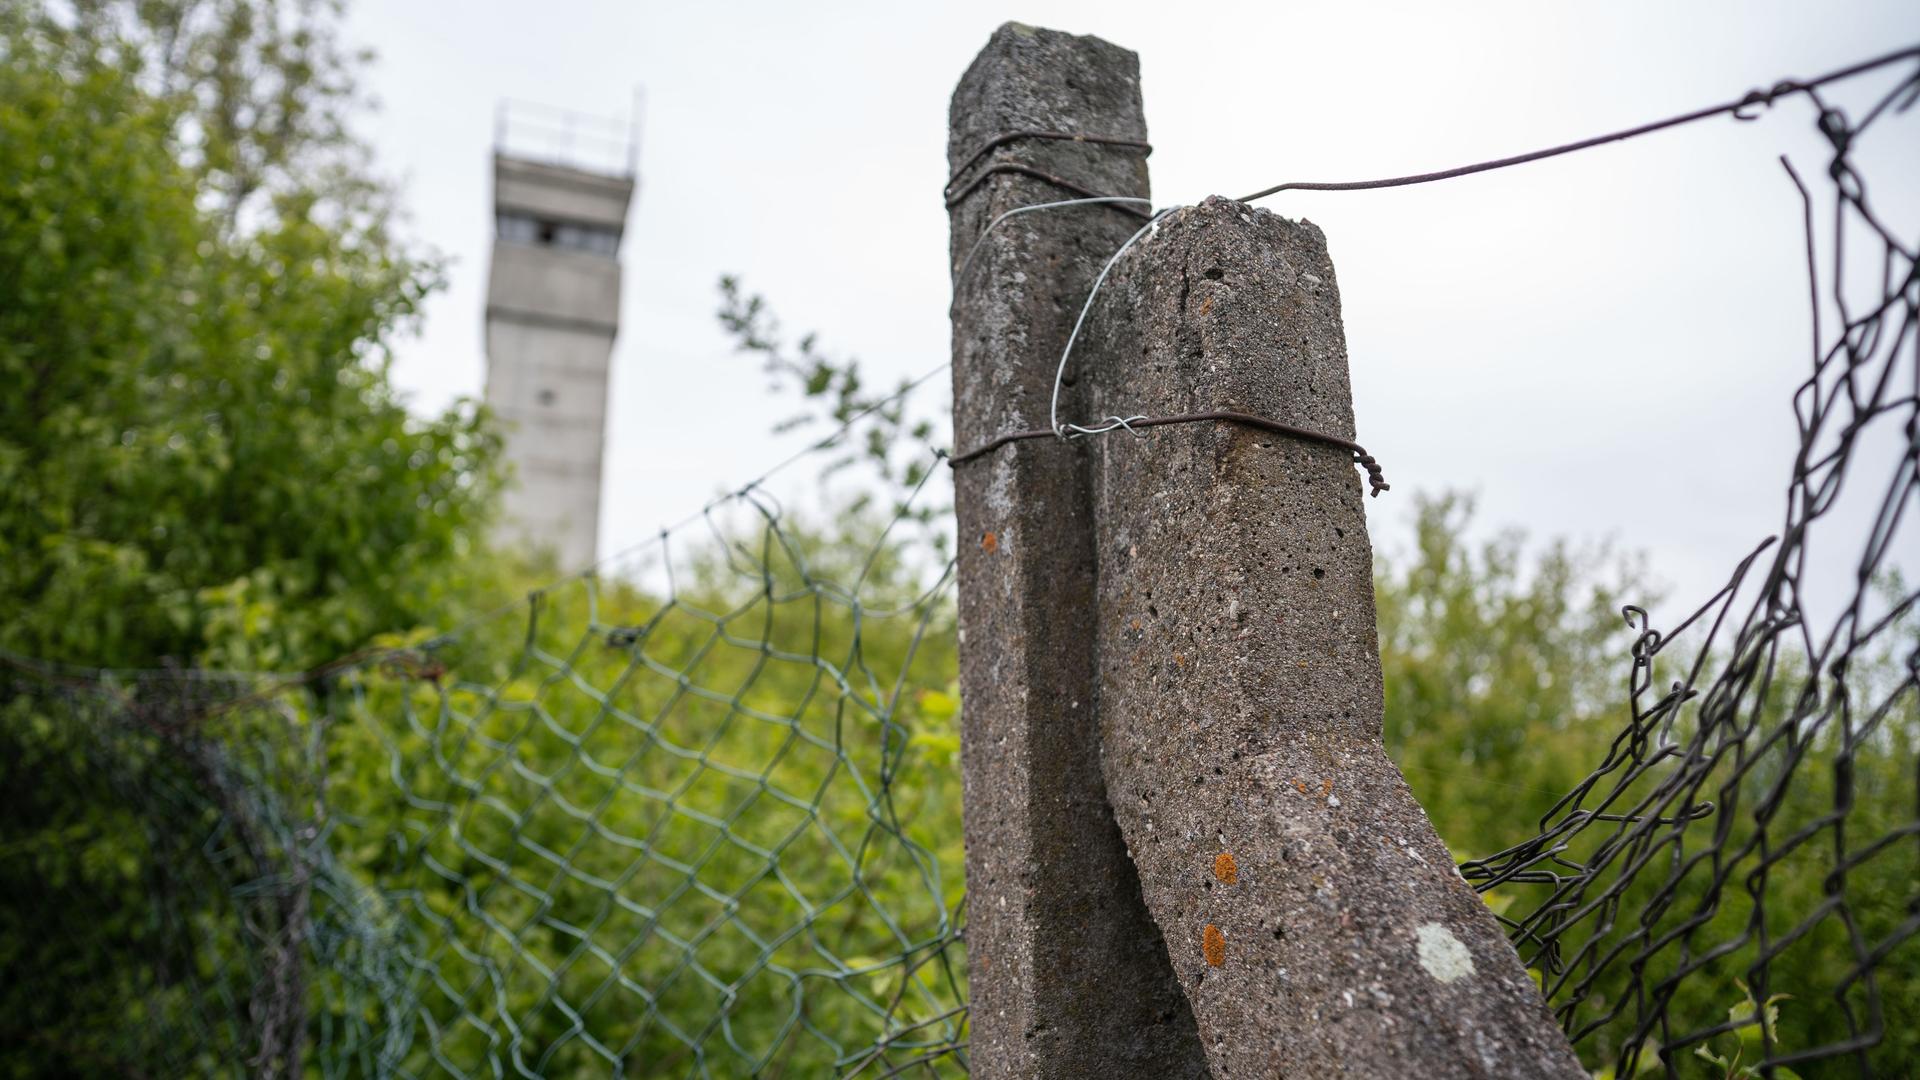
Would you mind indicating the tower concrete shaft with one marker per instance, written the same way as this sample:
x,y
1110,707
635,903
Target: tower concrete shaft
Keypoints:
x,y
553,309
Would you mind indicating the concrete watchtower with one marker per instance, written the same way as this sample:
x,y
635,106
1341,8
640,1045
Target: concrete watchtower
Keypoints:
x,y
560,198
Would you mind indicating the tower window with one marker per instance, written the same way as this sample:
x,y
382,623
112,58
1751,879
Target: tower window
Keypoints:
x,y
522,228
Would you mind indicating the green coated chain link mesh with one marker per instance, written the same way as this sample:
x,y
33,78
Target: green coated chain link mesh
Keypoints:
x,y
653,831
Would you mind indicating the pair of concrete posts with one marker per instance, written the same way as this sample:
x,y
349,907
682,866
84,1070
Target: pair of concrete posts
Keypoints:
x,y
1188,854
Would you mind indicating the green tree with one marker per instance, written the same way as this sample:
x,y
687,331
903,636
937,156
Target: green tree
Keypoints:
x,y
262,90
202,463
201,458
1504,669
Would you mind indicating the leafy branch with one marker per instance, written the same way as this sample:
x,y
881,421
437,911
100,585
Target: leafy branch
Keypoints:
x,y
881,433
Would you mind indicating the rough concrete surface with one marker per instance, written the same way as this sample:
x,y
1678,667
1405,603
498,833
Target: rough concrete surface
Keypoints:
x,y
1069,976
552,314
1240,690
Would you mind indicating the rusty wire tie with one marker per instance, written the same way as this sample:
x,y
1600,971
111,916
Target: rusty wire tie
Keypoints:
x,y
953,197
1376,479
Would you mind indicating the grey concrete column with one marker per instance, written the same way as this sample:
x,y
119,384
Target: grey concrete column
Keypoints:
x,y
1314,918
1069,977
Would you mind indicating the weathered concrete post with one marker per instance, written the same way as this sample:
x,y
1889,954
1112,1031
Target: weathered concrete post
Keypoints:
x,y
1069,978
1315,920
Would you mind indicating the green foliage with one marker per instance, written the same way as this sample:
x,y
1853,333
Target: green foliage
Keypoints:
x,y
897,448
1755,1027
201,460
201,464
655,820
1503,671
1506,682
717,828
261,92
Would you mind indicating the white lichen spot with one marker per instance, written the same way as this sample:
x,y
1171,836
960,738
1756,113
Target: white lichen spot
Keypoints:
x,y
1000,497
1442,954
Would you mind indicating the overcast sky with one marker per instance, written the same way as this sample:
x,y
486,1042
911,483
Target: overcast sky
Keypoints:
x,y
1601,346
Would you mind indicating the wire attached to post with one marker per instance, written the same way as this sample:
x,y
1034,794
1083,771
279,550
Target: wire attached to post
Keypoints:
x,y
1376,478
953,197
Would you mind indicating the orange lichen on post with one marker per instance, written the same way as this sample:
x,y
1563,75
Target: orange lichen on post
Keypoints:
x,y
1226,868
1213,945
990,543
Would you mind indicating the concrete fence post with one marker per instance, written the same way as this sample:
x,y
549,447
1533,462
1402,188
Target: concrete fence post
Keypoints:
x,y
1069,977
1187,851
1314,918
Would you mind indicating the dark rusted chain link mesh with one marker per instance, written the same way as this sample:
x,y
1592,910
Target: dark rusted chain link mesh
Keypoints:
x,y
1772,737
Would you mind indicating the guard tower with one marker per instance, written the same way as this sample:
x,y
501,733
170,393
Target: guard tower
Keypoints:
x,y
561,187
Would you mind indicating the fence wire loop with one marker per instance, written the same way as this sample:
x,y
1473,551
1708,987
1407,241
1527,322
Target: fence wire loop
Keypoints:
x,y
980,176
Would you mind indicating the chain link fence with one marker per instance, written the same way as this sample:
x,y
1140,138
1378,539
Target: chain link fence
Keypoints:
x,y
1755,823
695,818
698,829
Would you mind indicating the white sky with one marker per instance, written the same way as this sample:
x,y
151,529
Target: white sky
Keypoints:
x,y
1601,346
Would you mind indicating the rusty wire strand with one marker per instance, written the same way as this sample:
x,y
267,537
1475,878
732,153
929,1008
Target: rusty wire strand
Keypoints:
x,y
1019,168
1760,98
1376,480
1005,137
